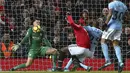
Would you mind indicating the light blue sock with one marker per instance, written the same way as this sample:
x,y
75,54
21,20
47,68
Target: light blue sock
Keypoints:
x,y
105,51
69,63
93,46
84,66
118,53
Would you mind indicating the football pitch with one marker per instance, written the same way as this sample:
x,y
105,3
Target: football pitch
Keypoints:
x,y
62,72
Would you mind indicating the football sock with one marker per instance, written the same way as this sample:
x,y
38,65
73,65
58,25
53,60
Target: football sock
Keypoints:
x,y
19,66
84,66
54,57
61,58
105,51
93,46
69,63
118,53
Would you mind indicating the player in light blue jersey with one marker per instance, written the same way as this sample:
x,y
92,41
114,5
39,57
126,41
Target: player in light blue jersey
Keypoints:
x,y
95,34
117,10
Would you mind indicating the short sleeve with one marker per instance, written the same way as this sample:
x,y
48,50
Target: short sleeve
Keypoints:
x,y
110,6
28,32
126,8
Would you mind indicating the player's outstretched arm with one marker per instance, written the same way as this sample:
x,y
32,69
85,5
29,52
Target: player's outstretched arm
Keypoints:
x,y
71,21
69,18
16,46
28,34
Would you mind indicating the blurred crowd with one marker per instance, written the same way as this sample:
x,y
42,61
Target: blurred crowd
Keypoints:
x,y
16,17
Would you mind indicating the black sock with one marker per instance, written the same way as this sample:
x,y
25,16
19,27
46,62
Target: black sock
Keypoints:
x,y
61,58
75,60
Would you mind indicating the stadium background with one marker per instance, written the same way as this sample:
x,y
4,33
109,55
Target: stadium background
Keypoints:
x,y
16,16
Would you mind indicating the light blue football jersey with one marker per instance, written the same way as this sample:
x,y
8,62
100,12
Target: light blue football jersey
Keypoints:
x,y
118,11
93,32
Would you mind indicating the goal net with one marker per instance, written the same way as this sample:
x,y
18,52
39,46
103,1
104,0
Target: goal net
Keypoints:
x,y
16,17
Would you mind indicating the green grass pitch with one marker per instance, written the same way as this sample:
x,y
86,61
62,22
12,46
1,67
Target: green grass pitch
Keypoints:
x,y
62,72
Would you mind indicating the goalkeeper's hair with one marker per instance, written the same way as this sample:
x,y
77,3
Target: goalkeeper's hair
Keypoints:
x,y
33,18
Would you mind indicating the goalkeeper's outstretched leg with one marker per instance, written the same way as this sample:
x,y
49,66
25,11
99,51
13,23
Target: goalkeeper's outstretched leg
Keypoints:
x,y
32,55
24,65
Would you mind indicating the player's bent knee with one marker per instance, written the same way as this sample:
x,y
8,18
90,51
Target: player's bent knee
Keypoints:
x,y
51,51
29,62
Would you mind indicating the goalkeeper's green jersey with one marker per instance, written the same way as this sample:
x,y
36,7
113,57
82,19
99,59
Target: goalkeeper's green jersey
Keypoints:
x,y
36,39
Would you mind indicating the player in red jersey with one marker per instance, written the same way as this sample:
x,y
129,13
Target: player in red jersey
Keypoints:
x,y
81,35
81,50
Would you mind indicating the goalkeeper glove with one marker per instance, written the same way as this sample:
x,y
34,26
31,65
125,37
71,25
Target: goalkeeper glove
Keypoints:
x,y
15,47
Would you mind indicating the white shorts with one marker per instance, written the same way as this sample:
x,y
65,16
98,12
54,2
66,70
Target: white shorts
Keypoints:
x,y
112,34
80,52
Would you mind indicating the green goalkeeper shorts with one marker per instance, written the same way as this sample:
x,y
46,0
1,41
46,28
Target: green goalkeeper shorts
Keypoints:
x,y
35,53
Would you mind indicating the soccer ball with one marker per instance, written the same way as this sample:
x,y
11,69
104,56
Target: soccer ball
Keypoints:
x,y
36,28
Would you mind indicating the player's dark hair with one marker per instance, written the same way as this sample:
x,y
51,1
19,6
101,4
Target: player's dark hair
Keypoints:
x,y
84,10
33,19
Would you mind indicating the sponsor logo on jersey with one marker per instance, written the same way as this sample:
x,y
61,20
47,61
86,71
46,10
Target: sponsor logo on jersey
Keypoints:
x,y
36,38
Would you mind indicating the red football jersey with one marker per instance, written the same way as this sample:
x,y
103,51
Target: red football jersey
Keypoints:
x,y
82,21
81,35
1,8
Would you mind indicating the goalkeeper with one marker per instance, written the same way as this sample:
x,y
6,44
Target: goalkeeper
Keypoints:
x,y
34,36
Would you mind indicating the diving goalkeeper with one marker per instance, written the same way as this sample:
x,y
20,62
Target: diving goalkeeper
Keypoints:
x,y
36,38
